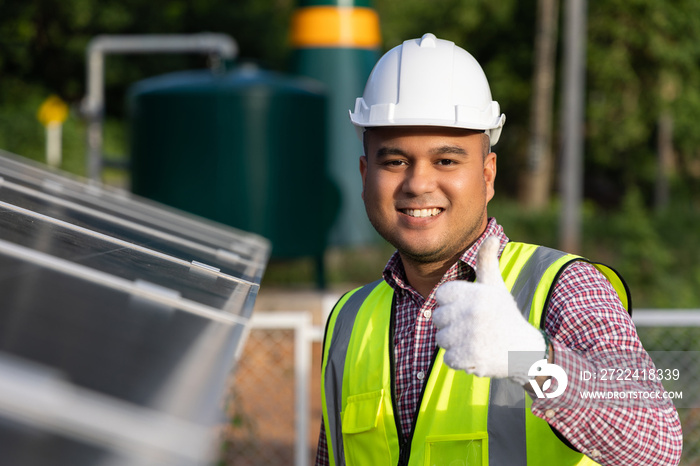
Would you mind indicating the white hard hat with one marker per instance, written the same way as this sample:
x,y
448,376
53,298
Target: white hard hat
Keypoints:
x,y
428,82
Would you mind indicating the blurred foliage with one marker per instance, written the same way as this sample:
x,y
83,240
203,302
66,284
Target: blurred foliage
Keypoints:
x,y
657,253
43,42
643,61
643,58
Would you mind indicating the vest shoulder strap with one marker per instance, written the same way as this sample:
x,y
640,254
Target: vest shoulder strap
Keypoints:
x,y
544,266
525,266
335,351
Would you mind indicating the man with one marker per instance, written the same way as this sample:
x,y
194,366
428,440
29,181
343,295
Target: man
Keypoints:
x,y
442,361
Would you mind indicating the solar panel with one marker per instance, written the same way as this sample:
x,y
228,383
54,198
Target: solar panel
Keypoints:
x,y
119,323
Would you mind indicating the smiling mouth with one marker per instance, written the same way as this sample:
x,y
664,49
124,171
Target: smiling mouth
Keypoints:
x,y
422,213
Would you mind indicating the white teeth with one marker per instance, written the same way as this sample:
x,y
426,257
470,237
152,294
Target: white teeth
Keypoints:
x,y
420,213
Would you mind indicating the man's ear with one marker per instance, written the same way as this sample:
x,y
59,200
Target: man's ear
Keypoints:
x,y
490,174
363,173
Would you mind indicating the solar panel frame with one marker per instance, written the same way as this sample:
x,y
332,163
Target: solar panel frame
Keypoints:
x,y
118,313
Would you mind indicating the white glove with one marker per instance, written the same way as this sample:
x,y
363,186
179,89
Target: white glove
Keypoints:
x,y
479,323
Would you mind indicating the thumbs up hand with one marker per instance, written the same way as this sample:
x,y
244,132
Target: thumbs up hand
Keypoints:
x,y
479,323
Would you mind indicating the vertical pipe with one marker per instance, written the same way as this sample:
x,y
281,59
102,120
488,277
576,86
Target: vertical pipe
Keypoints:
x,y
221,45
572,123
337,42
94,110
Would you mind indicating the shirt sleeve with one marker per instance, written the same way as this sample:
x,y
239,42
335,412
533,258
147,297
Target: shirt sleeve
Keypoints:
x,y
322,450
592,334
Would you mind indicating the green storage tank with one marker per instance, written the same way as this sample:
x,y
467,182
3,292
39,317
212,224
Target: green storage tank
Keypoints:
x,y
337,42
245,148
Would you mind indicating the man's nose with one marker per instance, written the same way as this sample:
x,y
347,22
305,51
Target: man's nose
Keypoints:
x,y
420,178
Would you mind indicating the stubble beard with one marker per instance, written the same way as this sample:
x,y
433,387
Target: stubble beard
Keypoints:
x,y
443,252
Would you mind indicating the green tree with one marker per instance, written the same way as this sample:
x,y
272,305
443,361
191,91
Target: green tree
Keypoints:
x,y
43,45
642,62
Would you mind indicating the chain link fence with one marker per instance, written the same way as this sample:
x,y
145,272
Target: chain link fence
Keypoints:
x,y
262,402
271,414
272,423
672,338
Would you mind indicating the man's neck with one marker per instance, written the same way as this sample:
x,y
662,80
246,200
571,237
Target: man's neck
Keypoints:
x,y
424,276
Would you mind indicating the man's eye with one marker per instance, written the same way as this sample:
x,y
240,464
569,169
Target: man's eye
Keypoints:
x,y
446,162
394,163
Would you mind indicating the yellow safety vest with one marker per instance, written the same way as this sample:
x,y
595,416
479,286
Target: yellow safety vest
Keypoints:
x,y
463,420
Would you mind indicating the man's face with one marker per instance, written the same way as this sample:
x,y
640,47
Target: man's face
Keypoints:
x,y
426,189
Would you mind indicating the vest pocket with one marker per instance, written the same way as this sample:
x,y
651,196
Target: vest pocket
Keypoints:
x,y
457,450
364,435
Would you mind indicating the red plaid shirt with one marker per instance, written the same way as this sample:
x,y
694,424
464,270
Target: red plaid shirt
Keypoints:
x,y
584,314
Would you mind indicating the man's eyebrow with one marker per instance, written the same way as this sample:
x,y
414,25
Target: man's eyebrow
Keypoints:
x,y
388,150
442,150
448,149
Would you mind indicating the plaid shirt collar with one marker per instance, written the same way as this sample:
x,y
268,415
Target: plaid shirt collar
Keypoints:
x,y
463,269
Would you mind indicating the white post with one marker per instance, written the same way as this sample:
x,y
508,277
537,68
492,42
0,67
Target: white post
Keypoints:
x,y
53,144
302,356
52,113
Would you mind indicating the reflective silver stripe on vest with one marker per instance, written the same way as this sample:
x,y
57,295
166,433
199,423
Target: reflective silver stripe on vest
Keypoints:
x,y
506,414
529,277
333,377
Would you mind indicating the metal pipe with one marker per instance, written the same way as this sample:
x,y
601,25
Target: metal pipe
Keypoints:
x,y
573,119
218,45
